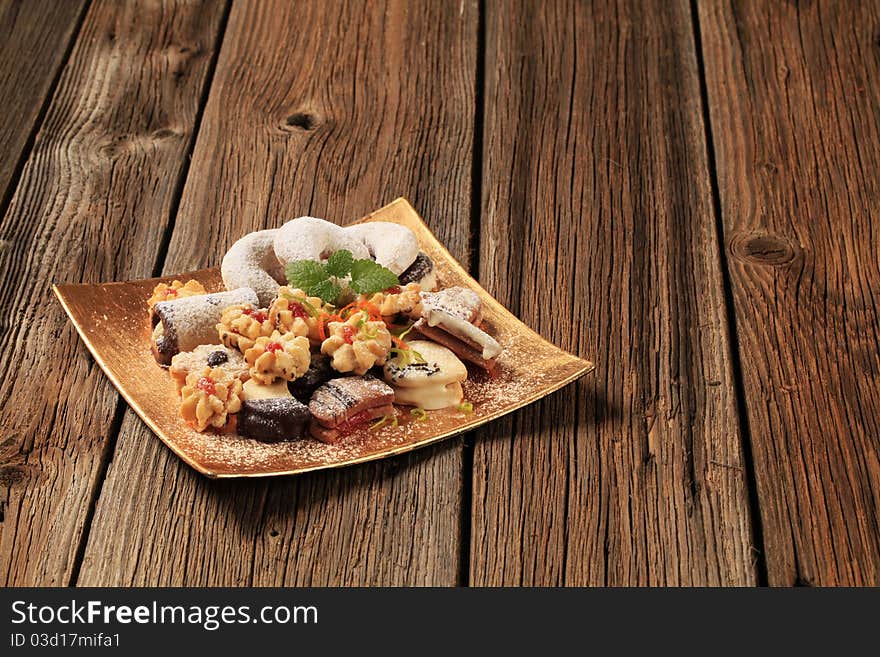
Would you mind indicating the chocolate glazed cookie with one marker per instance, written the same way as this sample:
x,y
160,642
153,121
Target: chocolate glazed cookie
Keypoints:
x,y
274,419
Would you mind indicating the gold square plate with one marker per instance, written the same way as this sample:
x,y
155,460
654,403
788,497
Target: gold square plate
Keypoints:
x,y
112,320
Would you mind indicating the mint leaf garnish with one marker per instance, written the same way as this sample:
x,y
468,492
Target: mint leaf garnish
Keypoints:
x,y
327,290
339,263
323,280
368,277
305,274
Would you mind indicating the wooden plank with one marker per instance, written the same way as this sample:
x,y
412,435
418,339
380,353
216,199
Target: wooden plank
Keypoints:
x,y
794,104
92,205
34,41
598,230
301,122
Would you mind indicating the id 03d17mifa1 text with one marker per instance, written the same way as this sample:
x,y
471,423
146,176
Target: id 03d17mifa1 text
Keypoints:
x,y
63,640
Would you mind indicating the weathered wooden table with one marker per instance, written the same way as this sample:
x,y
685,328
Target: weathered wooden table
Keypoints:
x,y
682,192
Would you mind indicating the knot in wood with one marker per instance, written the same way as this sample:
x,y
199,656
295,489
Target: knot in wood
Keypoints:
x,y
112,147
763,249
166,133
301,121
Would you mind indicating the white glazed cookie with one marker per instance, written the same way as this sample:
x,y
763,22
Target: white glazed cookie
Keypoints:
x,y
430,398
431,380
432,364
459,302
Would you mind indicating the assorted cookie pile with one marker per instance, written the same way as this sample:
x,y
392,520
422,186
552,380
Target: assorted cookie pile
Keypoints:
x,y
321,330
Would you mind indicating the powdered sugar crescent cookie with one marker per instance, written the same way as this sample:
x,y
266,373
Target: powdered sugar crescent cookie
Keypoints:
x,y
308,238
251,262
393,246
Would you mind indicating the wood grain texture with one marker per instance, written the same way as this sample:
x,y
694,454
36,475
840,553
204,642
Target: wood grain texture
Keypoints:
x,y
92,204
795,116
34,40
332,110
598,230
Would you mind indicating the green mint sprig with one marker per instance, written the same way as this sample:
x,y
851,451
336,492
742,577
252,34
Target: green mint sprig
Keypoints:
x,y
326,280
368,277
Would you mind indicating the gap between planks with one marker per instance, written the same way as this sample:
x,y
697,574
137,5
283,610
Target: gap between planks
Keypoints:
x,y
467,461
730,311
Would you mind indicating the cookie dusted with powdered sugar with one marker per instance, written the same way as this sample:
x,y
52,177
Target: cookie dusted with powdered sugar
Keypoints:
x,y
459,302
269,413
450,318
216,356
310,238
393,246
184,324
251,262
342,405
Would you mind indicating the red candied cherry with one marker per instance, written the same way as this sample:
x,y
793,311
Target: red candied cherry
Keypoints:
x,y
256,315
394,289
348,334
206,385
298,310
272,347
